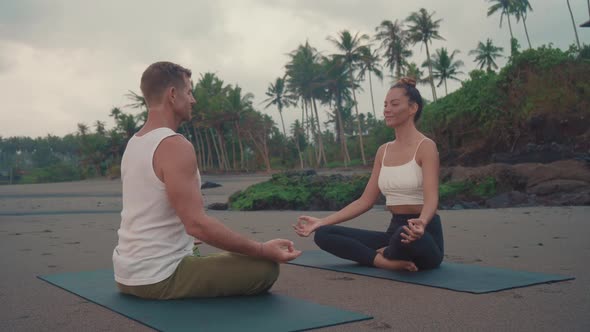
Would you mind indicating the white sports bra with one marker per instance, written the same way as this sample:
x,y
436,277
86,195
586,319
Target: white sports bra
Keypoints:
x,y
402,185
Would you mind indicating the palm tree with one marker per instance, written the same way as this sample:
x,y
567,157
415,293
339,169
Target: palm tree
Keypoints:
x,y
276,96
486,54
82,129
299,138
423,29
394,43
505,8
413,71
138,101
521,9
237,104
338,84
574,23
303,73
351,54
100,127
445,66
370,64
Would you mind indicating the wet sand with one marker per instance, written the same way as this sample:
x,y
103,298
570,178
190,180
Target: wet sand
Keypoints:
x,y
52,228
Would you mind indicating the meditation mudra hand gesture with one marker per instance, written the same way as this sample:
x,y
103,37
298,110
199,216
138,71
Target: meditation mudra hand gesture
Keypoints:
x,y
279,250
414,230
307,225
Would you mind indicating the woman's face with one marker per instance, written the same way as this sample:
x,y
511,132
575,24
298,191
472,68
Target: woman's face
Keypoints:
x,y
398,109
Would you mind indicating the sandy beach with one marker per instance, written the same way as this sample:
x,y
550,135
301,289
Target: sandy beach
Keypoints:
x,y
64,227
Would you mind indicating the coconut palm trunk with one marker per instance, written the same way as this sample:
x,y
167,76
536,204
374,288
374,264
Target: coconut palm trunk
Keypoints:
x,y
372,99
322,153
574,24
430,72
358,121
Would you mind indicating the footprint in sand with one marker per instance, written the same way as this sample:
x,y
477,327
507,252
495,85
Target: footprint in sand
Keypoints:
x,y
75,242
518,296
515,256
515,247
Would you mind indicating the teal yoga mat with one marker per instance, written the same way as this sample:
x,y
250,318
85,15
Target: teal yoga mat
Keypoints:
x,y
458,277
267,312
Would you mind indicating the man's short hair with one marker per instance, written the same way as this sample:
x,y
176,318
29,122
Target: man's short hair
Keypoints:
x,y
160,76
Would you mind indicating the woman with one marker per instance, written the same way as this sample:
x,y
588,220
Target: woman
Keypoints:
x,y
406,172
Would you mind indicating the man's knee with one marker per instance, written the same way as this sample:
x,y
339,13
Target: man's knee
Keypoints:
x,y
272,271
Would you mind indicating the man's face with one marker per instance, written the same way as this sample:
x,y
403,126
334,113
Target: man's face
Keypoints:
x,y
184,101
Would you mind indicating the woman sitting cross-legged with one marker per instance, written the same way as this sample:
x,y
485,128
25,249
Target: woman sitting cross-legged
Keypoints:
x,y
406,172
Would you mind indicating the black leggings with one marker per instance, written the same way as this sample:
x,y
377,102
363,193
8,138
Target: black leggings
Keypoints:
x,y
360,245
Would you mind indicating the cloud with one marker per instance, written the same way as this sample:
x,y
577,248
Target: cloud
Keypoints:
x,y
63,62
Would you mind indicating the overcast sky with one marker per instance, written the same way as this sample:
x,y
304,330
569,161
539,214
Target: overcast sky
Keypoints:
x,y
64,62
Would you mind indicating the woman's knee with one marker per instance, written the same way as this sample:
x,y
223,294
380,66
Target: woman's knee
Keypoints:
x,y
321,234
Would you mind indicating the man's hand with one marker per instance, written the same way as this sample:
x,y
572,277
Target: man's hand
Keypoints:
x,y
279,250
307,225
414,230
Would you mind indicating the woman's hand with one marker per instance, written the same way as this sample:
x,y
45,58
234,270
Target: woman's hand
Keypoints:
x,y
414,230
307,225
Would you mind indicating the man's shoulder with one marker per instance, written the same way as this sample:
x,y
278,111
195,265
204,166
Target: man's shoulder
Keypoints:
x,y
176,142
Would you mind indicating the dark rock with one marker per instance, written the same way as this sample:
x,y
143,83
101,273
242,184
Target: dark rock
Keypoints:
x,y
207,185
559,185
457,207
218,206
509,199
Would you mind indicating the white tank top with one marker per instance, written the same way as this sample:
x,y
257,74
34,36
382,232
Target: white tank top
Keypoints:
x,y
402,185
152,239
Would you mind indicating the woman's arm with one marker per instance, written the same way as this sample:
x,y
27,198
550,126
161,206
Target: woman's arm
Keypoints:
x,y
307,225
430,173
428,157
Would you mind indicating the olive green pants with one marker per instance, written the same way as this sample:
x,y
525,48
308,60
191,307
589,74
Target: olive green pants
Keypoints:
x,y
223,274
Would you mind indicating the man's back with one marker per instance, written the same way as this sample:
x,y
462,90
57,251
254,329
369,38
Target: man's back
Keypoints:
x,y
152,239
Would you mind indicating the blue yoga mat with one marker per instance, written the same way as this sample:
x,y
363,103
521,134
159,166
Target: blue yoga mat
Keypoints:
x,y
267,312
458,277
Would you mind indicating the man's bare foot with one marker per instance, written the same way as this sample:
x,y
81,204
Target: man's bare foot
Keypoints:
x,y
396,265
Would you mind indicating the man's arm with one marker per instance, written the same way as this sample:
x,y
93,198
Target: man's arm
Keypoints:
x,y
175,164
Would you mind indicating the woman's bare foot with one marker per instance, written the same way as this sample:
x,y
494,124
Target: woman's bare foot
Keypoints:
x,y
396,265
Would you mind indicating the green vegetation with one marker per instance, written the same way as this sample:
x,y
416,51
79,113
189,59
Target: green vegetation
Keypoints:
x,y
307,191
300,191
474,190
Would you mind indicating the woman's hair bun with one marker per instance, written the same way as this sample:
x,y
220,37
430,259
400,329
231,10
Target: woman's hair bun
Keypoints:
x,y
407,81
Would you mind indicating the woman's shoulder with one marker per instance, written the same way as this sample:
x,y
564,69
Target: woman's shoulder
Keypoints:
x,y
427,147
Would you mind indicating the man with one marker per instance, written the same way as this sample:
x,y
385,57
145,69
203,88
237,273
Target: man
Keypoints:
x,y
163,210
